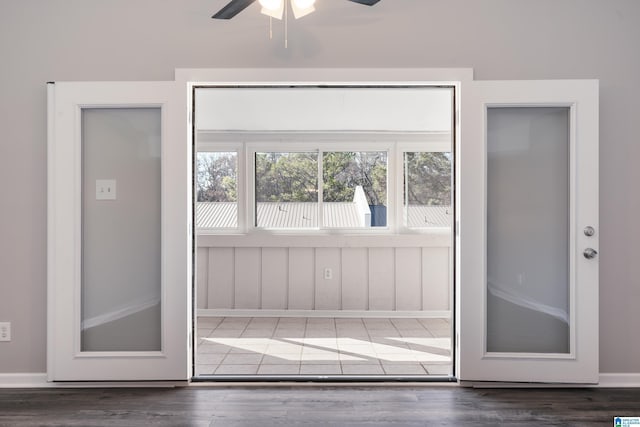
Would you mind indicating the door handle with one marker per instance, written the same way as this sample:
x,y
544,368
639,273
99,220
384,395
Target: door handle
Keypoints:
x,y
590,253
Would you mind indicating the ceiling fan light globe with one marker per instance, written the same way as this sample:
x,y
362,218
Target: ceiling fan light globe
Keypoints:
x,y
302,7
271,4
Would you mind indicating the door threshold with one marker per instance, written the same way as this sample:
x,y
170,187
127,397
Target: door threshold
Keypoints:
x,y
323,379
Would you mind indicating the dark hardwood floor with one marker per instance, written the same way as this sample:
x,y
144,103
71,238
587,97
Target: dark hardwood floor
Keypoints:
x,y
316,406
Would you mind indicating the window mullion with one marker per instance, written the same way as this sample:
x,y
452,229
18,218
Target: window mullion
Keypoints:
x,y
250,186
320,212
405,191
241,188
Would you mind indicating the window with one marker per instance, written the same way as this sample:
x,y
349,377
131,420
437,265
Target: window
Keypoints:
x,y
427,189
286,190
354,189
217,190
323,188
360,187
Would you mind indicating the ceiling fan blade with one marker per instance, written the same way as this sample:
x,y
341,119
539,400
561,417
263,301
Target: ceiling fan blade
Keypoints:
x,y
366,2
232,8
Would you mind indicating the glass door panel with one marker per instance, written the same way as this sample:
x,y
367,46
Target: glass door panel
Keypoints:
x,y
121,232
528,230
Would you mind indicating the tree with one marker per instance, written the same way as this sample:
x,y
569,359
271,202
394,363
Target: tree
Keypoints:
x,y
343,171
428,178
293,177
216,177
286,177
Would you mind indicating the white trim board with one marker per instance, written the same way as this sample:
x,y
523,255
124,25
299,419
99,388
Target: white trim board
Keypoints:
x,y
39,380
606,380
431,314
619,380
400,76
25,380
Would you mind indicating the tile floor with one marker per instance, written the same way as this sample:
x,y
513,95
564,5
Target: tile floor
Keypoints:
x,y
323,346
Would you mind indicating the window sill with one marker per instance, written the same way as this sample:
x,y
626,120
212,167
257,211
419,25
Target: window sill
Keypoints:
x,y
431,238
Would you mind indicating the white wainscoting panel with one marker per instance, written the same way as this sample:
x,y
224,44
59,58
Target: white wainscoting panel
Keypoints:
x,y
376,279
408,278
202,281
328,291
221,278
274,278
436,278
382,295
302,278
247,273
355,278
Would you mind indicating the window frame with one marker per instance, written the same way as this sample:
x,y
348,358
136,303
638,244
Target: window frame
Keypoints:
x,y
394,146
363,147
436,145
225,147
319,147
251,148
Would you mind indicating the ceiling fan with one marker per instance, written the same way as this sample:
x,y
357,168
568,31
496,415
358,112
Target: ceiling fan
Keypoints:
x,y
300,7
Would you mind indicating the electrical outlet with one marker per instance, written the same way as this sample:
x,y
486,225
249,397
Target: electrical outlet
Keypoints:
x,y
5,331
328,274
105,189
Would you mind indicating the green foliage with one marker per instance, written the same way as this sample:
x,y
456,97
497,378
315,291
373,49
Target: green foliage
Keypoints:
x,y
216,177
293,177
343,171
287,177
428,179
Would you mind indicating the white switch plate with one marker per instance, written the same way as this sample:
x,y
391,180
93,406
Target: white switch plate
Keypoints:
x,y
328,274
5,331
105,189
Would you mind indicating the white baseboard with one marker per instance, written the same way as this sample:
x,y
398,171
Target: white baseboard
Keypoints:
x,y
619,380
429,314
38,380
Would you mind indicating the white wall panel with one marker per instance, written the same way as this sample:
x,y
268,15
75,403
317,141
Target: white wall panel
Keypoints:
x,y
221,278
247,278
202,264
355,277
381,279
274,278
402,279
328,293
435,278
408,273
301,278
370,109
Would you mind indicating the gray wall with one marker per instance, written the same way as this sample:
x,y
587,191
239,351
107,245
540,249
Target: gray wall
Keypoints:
x,y
147,39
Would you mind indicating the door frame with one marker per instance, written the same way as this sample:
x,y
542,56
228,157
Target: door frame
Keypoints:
x,y
455,77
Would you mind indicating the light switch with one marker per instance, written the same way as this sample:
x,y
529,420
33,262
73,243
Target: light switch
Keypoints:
x,y
105,189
